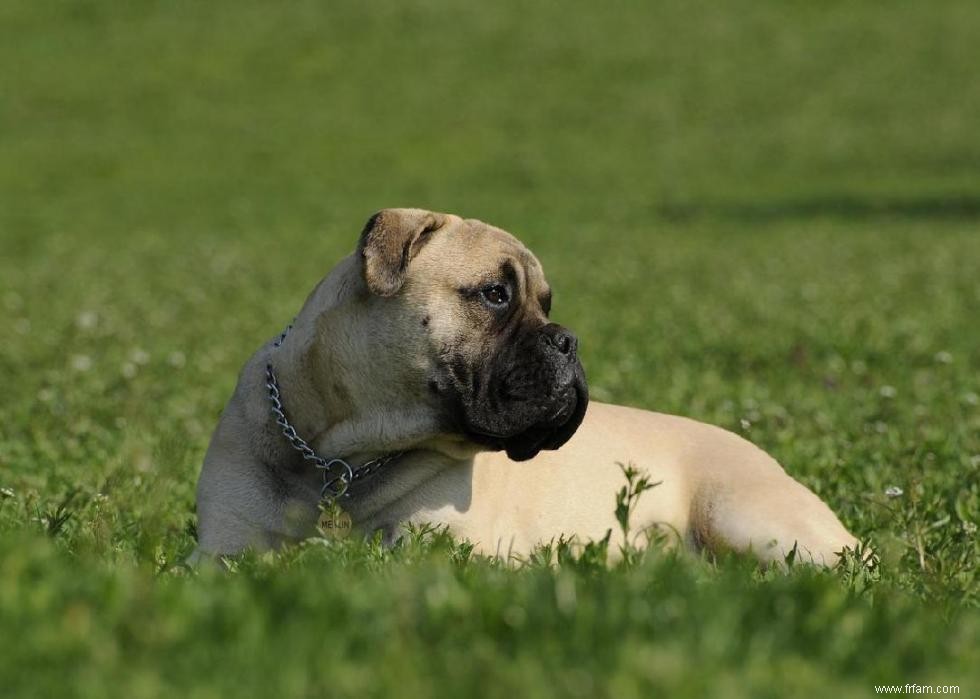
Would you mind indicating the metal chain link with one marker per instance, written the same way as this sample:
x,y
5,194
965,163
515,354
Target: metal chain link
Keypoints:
x,y
337,486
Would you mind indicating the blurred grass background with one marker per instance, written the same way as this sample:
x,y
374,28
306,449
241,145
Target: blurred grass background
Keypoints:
x,y
763,215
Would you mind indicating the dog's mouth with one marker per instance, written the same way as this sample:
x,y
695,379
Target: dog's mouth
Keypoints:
x,y
528,395
523,442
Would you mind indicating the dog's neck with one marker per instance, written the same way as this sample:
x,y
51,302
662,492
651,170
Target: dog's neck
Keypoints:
x,y
357,441
324,413
314,364
311,373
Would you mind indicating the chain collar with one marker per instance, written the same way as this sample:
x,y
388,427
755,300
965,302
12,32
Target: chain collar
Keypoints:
x,y
338,475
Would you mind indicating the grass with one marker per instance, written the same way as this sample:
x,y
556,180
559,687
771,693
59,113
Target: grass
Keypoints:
x,y
766,217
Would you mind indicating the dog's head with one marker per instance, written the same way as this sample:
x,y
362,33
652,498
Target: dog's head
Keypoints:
x,y
469,305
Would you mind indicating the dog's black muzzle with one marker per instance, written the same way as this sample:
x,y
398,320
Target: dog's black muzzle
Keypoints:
x,y
533,396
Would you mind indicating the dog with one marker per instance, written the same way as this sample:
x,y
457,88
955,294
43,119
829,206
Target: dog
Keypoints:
x,y
422,382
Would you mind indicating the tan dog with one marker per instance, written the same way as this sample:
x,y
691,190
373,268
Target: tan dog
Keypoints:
x,y
432,345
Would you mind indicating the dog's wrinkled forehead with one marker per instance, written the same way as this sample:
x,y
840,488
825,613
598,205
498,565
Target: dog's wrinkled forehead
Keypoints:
x,y
431,253
471,252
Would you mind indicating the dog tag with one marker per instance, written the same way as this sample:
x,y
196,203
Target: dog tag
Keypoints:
x,y
333,523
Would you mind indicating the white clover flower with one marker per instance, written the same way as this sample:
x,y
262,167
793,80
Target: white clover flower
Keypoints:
x,y
81,362
888,392
943,357
893,491
969,528
86,320
139,356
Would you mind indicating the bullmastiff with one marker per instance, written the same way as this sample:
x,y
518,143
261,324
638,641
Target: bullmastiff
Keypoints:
x,y
422,382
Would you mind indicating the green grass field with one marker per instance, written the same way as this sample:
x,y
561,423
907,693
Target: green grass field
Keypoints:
x,y
761,215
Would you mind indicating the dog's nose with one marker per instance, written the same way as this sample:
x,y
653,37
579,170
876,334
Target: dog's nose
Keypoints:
x,y
562,339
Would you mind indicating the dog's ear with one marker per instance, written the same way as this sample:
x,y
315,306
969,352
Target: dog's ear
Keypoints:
x,y
391,238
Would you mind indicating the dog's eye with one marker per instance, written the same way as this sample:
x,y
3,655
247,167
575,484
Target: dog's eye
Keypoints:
x,y
495,294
